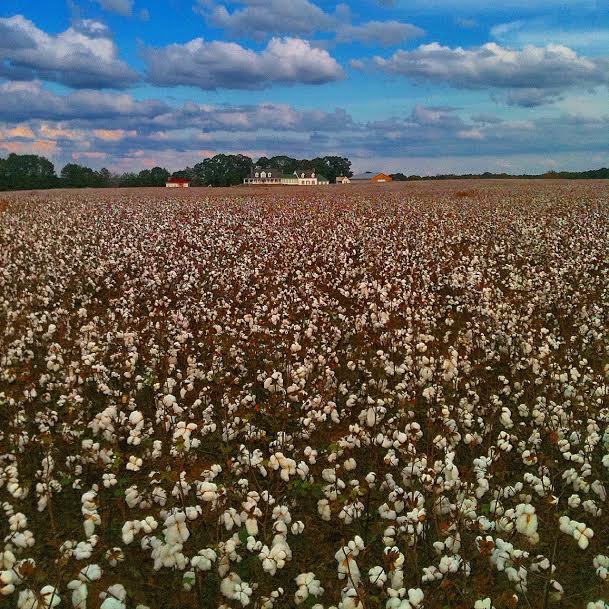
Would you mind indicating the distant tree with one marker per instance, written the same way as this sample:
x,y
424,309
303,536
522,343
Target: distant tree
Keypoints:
x,y
333,166
264,163
328,166
106,178
25,171
223,170
398,177
79,176
157,176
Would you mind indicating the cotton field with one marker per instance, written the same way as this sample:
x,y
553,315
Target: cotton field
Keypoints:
x,y
344,398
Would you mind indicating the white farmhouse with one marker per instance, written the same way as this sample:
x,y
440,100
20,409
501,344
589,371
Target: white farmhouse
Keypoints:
x,y
273,177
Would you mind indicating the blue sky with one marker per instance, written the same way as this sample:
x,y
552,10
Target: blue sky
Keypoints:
x,y
419,86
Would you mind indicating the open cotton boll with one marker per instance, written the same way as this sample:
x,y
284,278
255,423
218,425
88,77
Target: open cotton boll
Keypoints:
x,y
526,522
49,597
90,573
80,593
112,603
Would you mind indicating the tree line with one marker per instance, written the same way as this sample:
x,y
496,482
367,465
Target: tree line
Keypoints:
x,y
590,174
30,171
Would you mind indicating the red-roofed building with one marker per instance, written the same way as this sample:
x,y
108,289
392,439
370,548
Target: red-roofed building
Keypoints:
x,y
177,183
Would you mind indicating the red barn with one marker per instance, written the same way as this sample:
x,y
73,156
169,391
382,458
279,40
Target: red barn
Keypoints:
x,y
177,183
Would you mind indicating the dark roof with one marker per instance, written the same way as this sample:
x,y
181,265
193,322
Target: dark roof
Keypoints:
x,y
308,173
178,180
271,172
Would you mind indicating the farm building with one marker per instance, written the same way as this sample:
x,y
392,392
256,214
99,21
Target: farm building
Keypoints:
x,y
371,176
177,183
264,177
343,180
310,178
271,177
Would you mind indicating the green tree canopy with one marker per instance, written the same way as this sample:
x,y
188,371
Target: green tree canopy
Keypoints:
x,y
24,171
78,176
222,170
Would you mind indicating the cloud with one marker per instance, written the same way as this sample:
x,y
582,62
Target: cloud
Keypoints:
x,y
540,31
506,6
121,7
112,113
227,65
112,135
260,18
534,74
466,22
470,134
29,100
116,129
83,56
531,97
383,33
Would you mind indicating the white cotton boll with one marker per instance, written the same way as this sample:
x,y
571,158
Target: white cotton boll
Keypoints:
x,y
251,525
129,530
297,528
80,593
415,596
17,521
27,600
148,525
49,597
168,400
7,560
601,564
188,580
203,560
112,603
377,576
134,464
574,501
329,475
8,579
350,464
484,603
323,508
136,417
90,573
526,521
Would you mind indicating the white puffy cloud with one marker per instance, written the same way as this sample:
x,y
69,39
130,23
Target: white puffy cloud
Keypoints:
x,y
83,56
216,64
96,109
533,75
29,100
259,18
115,128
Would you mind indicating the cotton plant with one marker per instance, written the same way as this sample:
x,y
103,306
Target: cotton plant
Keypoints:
x,y
439,390
308,586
